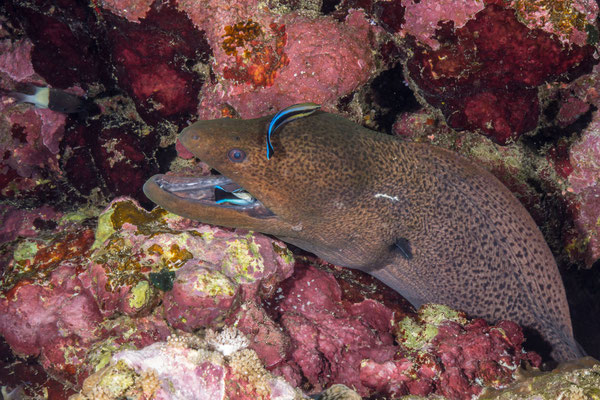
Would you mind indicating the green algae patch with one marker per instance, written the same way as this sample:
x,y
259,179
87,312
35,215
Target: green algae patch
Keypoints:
x,y
215,284
286,255
435,314
126,211
118,379
101,357
208,236
415,333
243,261
162,280
104,229
80,215
578,379
26,250
140,295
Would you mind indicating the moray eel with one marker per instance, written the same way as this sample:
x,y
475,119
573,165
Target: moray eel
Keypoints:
x,y
425,221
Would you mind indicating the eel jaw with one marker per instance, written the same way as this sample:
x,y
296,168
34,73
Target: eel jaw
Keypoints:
x,y
201,191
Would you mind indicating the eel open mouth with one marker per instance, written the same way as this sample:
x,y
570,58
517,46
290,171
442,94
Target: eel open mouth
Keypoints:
x,y
209,191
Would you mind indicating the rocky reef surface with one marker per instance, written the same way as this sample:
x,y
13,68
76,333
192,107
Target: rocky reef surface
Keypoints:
x,y
92,287
102,307
152,305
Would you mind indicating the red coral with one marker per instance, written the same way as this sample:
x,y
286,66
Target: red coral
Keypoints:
x,y
265,336
116,160
485,75
329,343
191,305
152,60
61,54
558,158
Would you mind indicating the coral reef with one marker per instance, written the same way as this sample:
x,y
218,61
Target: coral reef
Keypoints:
x,y
78,287
62,291
574,380
31,140
139,76
188,367
82,299
282,55
465,81
448,355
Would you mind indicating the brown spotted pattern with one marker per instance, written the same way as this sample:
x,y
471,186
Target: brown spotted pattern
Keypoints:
x,y
348,194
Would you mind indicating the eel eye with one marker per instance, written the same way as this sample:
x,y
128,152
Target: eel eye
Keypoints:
x,y
236,155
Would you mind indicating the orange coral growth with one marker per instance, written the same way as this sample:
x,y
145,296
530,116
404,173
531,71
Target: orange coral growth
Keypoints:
x,y
74,246
260,60
238,35
563,15
227,111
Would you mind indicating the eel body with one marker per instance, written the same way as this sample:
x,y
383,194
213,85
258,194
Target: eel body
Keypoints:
x,y
428,223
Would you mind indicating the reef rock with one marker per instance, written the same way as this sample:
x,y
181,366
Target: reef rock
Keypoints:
x,y
218,366
60,294
573,380
463,77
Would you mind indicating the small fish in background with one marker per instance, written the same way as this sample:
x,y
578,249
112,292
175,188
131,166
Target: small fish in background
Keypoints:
x,y
15,394
287,115
53,99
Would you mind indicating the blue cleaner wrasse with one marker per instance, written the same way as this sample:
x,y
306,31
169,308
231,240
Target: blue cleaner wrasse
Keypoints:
x,y
239,197
286,115
427,222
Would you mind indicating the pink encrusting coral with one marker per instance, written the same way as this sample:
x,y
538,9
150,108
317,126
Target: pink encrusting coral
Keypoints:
x,y
585,183
485,75
328,340
335,340
422,17
444,353
15,59
16,222
268,61
59,295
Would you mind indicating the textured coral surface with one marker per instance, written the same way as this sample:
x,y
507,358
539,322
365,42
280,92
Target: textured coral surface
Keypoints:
x,y
92,293
80,297
466,81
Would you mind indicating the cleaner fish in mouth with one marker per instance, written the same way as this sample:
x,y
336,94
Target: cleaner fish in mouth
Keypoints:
x,y
425,221
238,197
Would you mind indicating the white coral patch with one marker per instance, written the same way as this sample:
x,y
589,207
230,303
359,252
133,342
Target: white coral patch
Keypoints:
x,y
228,341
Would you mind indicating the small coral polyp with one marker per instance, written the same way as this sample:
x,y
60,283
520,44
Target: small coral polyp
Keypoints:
x,y
261,55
